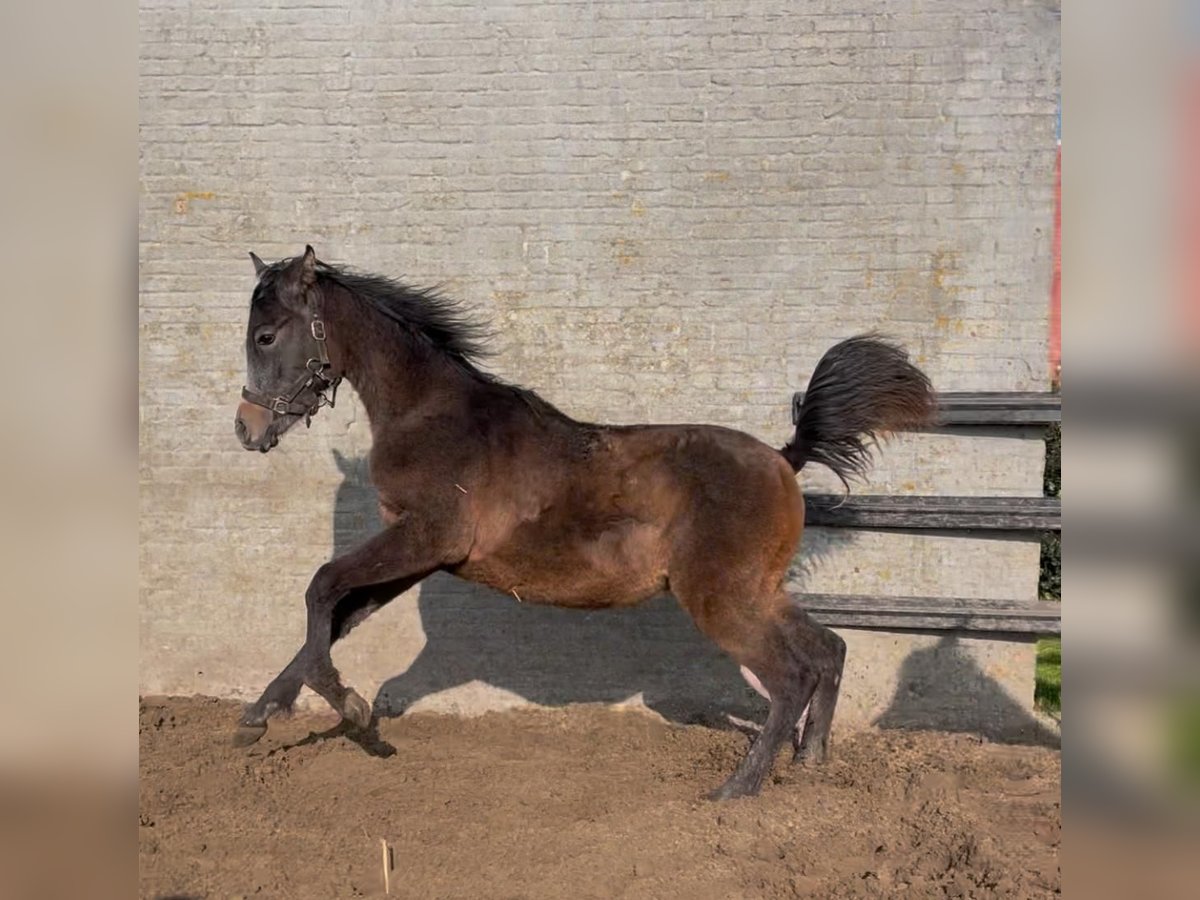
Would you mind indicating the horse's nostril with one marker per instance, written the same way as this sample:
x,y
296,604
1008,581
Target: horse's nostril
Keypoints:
x,y
251,424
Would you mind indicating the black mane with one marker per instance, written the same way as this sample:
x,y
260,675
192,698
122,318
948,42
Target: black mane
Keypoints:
x,y
426,314
437,319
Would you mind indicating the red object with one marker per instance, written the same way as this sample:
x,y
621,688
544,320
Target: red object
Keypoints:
x,y
1189,216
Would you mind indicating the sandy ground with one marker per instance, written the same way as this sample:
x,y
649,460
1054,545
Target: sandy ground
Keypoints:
x,y
580,802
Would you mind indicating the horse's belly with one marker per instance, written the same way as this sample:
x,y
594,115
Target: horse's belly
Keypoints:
x,y
620,567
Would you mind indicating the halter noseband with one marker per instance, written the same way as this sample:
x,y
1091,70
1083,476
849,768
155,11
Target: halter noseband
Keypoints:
x,y
316,379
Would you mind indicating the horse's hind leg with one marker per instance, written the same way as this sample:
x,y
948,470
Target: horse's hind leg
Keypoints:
x,y
786,677
810,740
758,632
812,736
787,657
751,728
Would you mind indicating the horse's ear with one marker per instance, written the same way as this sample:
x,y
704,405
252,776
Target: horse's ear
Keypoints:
x,y
259,265
301,275
308,266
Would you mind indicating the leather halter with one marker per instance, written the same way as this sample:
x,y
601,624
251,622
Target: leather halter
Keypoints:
x,y
316,378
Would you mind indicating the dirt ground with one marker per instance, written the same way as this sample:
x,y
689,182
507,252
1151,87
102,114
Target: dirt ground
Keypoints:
x,y
581,802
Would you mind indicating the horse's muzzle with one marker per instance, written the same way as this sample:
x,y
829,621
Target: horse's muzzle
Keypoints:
x,y
253,427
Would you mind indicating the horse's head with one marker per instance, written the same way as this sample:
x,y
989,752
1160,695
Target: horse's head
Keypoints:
x,y
288,373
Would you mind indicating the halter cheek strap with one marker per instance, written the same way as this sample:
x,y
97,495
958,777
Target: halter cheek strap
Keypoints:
x,y
317,379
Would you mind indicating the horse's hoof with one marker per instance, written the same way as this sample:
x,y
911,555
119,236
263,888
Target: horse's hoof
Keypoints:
x,y
245,735
356,710
810,756
731,790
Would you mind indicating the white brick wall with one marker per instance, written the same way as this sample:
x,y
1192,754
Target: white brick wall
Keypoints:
x,y
671,209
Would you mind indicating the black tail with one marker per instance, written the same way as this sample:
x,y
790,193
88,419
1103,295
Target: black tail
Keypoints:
x,y
862,388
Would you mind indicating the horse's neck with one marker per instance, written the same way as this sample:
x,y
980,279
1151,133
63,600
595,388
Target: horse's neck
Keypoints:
x,y
395,377
392,374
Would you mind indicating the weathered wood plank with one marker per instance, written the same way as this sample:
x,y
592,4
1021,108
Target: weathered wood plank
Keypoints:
x,y
997,408
933,613
985,408
944,513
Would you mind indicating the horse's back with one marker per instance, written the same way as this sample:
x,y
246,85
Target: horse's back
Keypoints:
x,y
715,468
737,498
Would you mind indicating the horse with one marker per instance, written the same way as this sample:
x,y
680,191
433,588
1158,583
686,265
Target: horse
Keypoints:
x,y
491,483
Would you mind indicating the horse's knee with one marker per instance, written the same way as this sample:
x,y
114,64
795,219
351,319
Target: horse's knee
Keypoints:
x,y
321,588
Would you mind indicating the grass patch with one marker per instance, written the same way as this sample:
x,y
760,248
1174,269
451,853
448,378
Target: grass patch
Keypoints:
x,y
1047,692
1184,743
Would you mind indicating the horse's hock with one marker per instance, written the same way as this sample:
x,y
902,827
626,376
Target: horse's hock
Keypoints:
x,y
670,214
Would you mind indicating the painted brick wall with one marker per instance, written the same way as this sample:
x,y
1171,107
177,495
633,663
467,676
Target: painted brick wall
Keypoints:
x,y
670,209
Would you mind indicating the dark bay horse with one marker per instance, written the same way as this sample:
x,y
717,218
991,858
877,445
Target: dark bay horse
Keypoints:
x,y
491,483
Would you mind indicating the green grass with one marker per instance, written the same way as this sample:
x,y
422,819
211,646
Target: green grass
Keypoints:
x,y
1184,739
1047,693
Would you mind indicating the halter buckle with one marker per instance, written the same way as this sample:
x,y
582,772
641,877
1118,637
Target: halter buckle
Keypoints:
x,y
318,330
279,406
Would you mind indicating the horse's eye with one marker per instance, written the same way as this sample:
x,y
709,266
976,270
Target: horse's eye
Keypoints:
x,y
266,339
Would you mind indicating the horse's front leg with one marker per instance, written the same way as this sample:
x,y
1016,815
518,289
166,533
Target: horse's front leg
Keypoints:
x,y
284,688
342,594
279,696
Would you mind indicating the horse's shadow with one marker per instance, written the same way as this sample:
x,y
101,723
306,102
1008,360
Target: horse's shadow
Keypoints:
x,y
546,655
